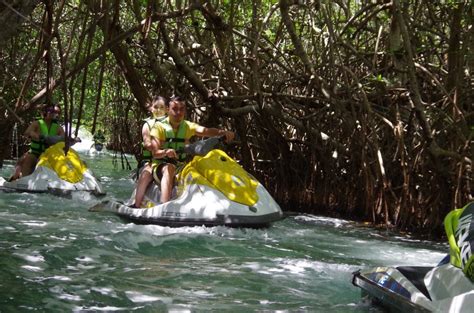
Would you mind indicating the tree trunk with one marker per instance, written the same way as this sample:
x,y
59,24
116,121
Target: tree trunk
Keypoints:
x,y
12,16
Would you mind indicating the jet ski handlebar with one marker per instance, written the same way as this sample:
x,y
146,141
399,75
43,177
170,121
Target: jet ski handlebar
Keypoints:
x,y
203,147
200,147
51,140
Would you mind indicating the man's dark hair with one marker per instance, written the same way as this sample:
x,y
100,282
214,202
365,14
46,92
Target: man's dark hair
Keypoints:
x,y
50,108
175,99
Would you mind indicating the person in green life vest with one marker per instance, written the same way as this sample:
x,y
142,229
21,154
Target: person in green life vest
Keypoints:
x,y
171,135
459,227
99,140
43,132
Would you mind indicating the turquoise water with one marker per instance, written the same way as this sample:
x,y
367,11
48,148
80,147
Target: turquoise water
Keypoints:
x,y
56,256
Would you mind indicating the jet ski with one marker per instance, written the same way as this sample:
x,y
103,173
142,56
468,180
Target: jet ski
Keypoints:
x,y
443,288
212,189
58,174
98,147
447,287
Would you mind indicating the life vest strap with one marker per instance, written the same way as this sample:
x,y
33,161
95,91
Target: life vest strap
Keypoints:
x,y
171,140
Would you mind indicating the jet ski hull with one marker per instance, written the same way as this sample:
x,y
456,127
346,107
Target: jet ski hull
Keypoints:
x,y
58,174
200,206
443,288
212,189
139,216
44,180
385,291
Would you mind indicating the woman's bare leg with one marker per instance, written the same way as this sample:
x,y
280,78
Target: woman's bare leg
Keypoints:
x,y
167,182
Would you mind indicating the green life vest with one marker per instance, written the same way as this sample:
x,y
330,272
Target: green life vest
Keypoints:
x,y
98,138
174,140
150,122
38,147
459,226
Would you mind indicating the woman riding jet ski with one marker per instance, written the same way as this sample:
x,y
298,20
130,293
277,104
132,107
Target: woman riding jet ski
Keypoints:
x,y
54,171
448,287
212,189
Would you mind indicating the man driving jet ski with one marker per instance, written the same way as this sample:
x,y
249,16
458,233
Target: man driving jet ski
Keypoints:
x,y
43,133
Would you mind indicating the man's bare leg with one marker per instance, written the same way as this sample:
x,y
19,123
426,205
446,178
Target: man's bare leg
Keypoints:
x,y
18,166
29,164
24,166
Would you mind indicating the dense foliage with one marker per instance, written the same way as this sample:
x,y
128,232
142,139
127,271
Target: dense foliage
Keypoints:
x,y
353,108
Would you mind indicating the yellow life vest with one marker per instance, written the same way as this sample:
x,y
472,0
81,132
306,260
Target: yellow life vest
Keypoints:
x,y
176,140
150,122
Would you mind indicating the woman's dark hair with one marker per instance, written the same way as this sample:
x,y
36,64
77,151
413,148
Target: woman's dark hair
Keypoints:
x,y
156,99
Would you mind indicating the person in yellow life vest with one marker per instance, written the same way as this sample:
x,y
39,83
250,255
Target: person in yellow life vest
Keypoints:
x,y
157,109
459,226
171,135
43,132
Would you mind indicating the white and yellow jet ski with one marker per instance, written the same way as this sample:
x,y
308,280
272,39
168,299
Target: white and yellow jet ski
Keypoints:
x,y
212,189
58,174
